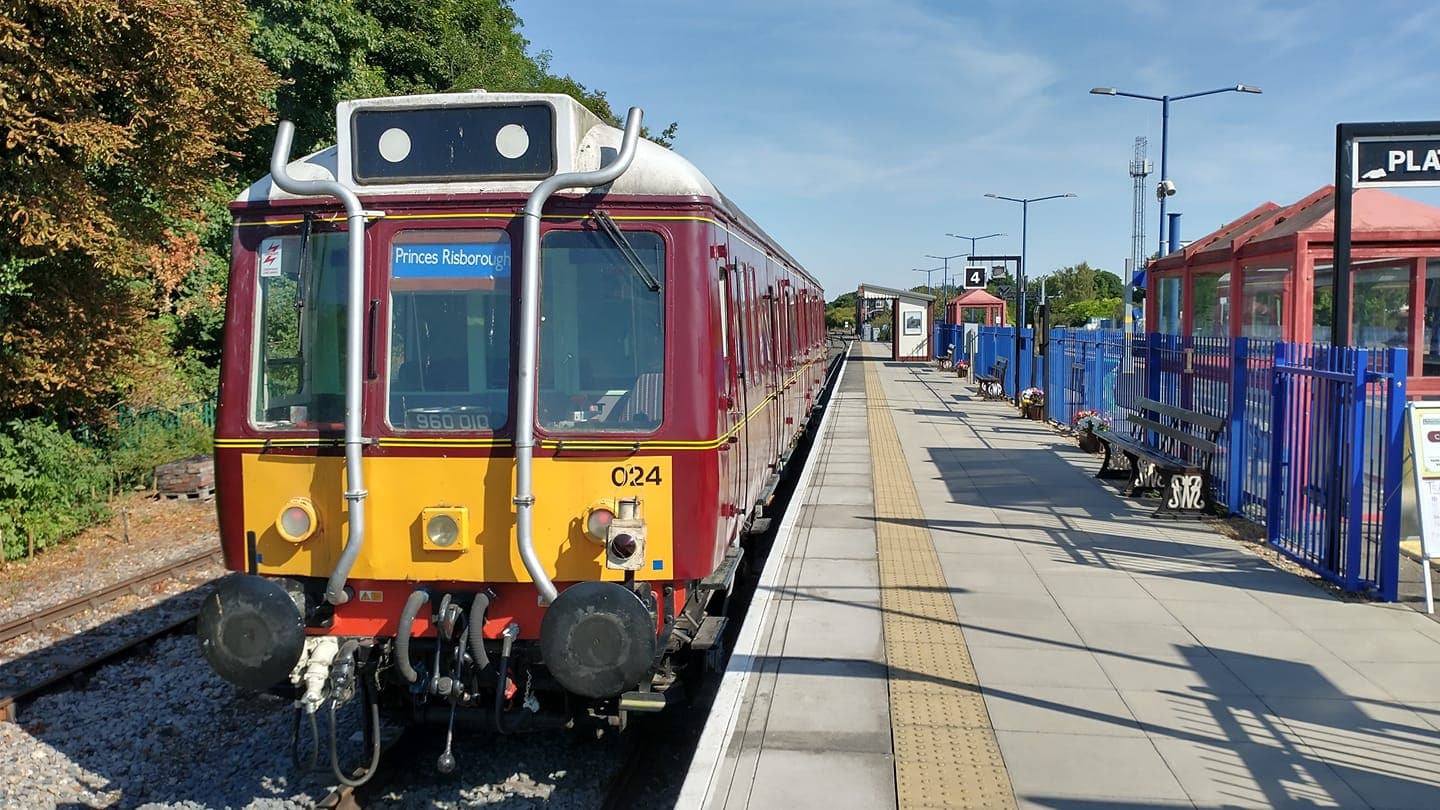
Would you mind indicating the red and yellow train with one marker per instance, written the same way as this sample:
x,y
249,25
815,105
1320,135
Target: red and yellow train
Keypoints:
x,y
504,390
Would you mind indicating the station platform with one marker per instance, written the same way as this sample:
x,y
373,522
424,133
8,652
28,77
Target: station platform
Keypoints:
x,y
957,613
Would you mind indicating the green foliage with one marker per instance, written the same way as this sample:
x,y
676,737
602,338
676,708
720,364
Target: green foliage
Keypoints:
x,y
1108,285
118,117
328,51
1080,312
840,312
50,486
142,441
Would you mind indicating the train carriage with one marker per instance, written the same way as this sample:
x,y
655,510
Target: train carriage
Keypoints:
x,y
504,391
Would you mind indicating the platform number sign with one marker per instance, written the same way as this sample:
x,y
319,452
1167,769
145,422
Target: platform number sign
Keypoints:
x,y
974,278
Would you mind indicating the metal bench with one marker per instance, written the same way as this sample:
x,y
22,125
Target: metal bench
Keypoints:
x,y
992,385
1170,449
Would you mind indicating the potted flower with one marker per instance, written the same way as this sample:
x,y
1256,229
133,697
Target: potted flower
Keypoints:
x,y
1087,423
1032,403
962,368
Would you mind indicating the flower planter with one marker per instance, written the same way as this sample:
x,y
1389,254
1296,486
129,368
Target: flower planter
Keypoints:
x,y
1036,412
1089,442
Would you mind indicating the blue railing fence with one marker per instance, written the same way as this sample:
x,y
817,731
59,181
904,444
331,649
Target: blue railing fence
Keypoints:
x,y
1313,448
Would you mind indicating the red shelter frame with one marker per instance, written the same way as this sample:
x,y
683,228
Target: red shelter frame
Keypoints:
x,y
1268,274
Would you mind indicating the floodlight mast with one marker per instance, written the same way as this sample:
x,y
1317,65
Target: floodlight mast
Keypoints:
x,y
1166,187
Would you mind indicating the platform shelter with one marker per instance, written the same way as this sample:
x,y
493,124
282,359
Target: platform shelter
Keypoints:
x,y
912,316
1269,274
976,306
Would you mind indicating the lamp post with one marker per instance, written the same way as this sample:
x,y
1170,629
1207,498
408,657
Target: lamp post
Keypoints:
x,y
927,275
944,284
1020,276
974,239
1166,188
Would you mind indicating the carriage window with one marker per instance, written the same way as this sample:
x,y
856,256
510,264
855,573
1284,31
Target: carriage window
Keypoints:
x,y
300,330
449,330
602,332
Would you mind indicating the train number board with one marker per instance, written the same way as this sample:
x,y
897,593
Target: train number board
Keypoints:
x,y
1396,161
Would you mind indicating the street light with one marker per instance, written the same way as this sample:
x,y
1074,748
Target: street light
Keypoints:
x,y
944,284
927,273
974,239
1020,276
1167,188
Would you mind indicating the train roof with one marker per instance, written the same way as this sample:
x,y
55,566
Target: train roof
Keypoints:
x,y
480,142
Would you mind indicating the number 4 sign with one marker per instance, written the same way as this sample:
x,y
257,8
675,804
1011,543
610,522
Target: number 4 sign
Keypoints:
x,y
974,277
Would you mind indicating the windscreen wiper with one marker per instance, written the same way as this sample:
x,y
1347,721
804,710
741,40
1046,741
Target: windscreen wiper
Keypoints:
x,y
613,231
302,277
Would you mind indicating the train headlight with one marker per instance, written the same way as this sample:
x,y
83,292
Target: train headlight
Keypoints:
x,y
297,522
597,521
445,527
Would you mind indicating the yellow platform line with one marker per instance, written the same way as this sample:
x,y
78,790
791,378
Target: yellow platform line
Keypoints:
x,y
946,754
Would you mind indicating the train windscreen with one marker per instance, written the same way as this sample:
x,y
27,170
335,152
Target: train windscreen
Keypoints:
x,y
300,331
449,352
602,331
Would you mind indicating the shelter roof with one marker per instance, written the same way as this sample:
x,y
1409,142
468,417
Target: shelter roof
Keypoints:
x,y
1217,245
978,297
876,291
1376,216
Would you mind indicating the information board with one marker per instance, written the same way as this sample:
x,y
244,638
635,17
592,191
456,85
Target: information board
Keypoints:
x,y
1424,421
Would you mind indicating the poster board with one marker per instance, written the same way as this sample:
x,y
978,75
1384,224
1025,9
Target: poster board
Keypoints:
x,y
1423,420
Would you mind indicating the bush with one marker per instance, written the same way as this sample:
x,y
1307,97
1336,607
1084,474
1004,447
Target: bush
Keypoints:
x,y
142,441
51,486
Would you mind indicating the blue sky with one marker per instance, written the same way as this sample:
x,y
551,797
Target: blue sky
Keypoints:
x,y
859,132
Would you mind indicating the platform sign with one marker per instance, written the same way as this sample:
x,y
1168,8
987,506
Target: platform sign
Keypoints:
x,y
1424,421
974,278
1005,291
1396,161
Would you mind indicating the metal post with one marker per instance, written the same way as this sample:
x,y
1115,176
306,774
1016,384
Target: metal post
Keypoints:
x,y
1020,278
1020,295
1340,270
945,284
1015,366
1164,164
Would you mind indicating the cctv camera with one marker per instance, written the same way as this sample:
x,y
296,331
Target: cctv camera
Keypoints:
x,y
1165,189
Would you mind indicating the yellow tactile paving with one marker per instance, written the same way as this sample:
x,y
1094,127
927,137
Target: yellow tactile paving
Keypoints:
x,y
945,750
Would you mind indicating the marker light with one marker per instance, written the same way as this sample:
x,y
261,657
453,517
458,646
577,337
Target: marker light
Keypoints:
x,y
598,520
623,546
297,521
445,527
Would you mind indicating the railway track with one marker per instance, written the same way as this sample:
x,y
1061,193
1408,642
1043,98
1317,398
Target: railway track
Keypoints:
x,y
68,666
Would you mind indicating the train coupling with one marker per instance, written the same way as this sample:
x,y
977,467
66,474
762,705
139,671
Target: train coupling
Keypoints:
x,y
312,672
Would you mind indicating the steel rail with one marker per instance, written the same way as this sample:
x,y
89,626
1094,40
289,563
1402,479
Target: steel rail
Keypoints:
x,y
137,585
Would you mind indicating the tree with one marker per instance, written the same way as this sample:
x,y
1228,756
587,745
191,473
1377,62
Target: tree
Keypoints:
x,y
328,51
130,111
840,312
